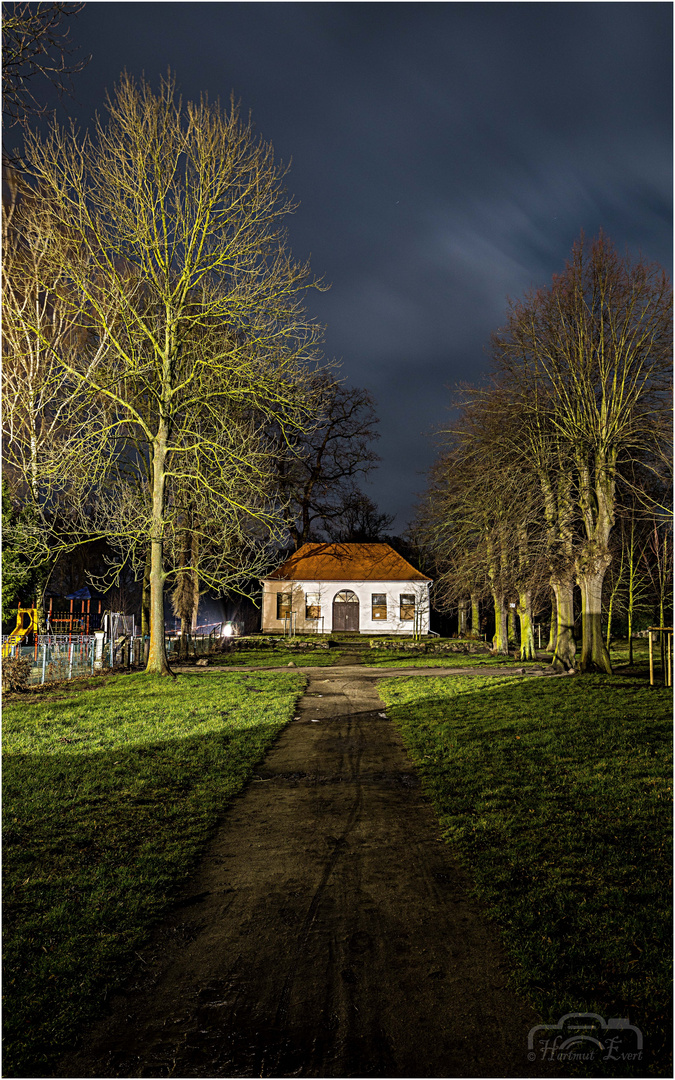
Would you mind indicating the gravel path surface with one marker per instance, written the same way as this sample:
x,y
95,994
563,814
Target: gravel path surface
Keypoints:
x,y
328,930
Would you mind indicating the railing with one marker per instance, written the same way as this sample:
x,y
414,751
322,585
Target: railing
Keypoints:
x,y
54,657
290,621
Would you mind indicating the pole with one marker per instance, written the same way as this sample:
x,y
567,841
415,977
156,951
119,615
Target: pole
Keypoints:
x,y
662,645
651,658
44,661
669,670
70,660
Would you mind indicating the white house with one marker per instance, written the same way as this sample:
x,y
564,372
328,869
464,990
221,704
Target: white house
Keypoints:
x,y
362,588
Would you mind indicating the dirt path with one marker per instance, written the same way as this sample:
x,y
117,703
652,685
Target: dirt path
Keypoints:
x,y
327,932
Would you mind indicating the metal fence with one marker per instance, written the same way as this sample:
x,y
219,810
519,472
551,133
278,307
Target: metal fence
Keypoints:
x,y
56,657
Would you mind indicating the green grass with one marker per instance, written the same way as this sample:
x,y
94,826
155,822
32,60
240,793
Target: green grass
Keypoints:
x,y
619,655
273,657
404,658
109,797
556,795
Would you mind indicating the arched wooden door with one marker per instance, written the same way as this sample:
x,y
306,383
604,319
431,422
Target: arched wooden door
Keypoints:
x,y
346,611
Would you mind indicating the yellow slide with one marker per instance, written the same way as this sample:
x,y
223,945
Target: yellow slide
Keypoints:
x,y
20,631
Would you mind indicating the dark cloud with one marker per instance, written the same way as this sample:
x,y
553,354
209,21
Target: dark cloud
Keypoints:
x,y
445,156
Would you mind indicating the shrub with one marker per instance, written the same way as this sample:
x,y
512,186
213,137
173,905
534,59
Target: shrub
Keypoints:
x,y
15,673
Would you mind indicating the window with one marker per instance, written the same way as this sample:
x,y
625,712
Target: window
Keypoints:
x,y
407,606
379,605
312,605
284,600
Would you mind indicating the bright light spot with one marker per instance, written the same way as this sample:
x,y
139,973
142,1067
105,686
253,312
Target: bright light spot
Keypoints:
x,y
227,631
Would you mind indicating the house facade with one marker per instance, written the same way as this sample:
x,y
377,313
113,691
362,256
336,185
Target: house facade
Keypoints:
x,y
346,588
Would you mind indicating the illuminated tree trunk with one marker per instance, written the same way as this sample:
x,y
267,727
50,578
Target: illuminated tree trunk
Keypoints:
x,y
594,655
145,596
565,647
462,618
553,627
500,642
475,614
511,625
527,650
158,663
596,501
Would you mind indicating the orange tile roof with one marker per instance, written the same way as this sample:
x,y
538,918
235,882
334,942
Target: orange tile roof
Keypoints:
x,y
346,562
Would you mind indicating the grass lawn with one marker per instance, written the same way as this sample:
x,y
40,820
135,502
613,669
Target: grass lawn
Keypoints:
x,y
272,657
110,794
404,658
556,795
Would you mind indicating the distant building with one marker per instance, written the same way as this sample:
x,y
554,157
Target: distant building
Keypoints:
x,y
343,588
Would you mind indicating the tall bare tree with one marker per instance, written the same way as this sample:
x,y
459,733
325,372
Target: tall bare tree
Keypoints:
x,y
170,254
591,358
359,521
483,516
51,442
318,479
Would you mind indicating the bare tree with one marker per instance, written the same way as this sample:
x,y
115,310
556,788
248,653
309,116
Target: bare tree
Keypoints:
x,y
359,521
589,358
318,480
172,257
51,444
484,516
35,46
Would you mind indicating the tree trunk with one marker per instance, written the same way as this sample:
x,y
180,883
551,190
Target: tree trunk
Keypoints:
x,y
608,632
194,580
462,618
596,501
511,626
594,655
500,642
565,647
145,595
475,615
157,659
184,643
527,650
553,631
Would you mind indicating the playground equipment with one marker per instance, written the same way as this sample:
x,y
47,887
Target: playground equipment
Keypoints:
x,y
81,620
21,631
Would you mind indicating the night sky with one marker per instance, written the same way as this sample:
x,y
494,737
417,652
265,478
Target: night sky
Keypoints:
x,y
445,156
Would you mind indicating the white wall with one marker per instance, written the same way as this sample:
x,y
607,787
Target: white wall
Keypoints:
x,y
327,590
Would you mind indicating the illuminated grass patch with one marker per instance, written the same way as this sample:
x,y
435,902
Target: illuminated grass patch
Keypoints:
x,y
109,798
278,657
403,659
556,795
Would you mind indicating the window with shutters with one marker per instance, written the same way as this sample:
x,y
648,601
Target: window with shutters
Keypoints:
x,y
283,604
407,606
379,605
